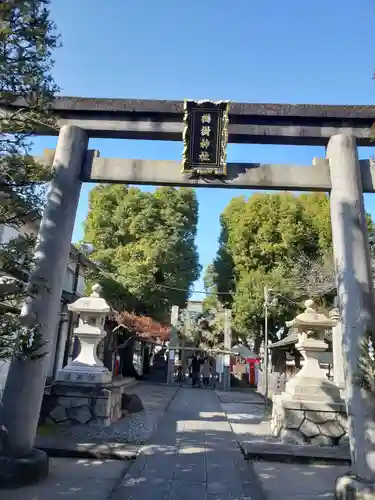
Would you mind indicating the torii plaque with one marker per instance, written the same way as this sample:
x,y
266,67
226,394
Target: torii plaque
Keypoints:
x,y
205,137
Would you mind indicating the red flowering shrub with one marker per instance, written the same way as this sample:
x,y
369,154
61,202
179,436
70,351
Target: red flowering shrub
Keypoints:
x,y
144,326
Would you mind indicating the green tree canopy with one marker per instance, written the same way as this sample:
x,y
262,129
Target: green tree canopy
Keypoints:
x,y
269,239
146,241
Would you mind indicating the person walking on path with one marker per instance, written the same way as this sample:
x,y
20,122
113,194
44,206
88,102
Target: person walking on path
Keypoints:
x,y
206,371
195,370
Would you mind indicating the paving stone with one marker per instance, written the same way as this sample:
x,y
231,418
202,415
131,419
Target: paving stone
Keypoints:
x,y
217,474
228,496
189,474
225,486
73,479
281,481
180,491
144,491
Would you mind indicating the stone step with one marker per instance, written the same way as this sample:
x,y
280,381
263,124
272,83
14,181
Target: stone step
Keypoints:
x,y
68,447
279,452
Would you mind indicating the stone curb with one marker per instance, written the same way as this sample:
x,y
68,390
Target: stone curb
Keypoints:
x,y
277,452
109,451
94,449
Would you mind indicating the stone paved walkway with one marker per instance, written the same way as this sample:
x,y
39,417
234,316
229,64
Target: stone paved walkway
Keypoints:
x,y
193,455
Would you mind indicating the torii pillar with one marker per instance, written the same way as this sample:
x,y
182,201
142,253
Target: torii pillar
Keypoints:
x,y
20,463
356,305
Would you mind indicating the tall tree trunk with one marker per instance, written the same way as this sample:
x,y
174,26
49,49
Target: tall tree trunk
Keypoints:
x,y
257,344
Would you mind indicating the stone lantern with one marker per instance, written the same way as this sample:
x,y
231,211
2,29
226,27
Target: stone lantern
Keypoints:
x,y
87,368
310,410
311,382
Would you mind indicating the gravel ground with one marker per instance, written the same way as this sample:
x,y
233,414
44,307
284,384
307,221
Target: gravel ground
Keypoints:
x,y
136,428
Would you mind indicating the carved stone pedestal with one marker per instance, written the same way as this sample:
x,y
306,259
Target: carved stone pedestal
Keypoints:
x,y
85,404
82,404
307,422
84,392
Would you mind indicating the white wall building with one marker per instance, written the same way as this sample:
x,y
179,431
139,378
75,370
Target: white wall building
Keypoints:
x,y
195,306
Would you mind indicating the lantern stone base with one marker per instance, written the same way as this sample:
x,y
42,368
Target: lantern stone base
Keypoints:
x,y
309,422
317,388
84,375
83,404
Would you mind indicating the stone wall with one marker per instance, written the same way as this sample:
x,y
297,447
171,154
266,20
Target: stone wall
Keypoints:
x,y
319,424
82,405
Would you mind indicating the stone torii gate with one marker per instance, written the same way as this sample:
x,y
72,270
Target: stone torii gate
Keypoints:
x,y
339,128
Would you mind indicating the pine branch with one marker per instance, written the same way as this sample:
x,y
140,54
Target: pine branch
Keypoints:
x,y
366,366
27,39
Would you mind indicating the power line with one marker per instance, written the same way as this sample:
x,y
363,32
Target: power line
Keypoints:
x,y
193,291
170,287
276,294
202,292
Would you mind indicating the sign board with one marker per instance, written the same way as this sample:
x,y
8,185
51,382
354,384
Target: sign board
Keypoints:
x,y
205,137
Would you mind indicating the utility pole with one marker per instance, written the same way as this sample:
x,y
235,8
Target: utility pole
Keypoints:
x,y
227,347
266,298
173,342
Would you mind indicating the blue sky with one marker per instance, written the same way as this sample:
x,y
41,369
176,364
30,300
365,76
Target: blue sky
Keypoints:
x,y
240,50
